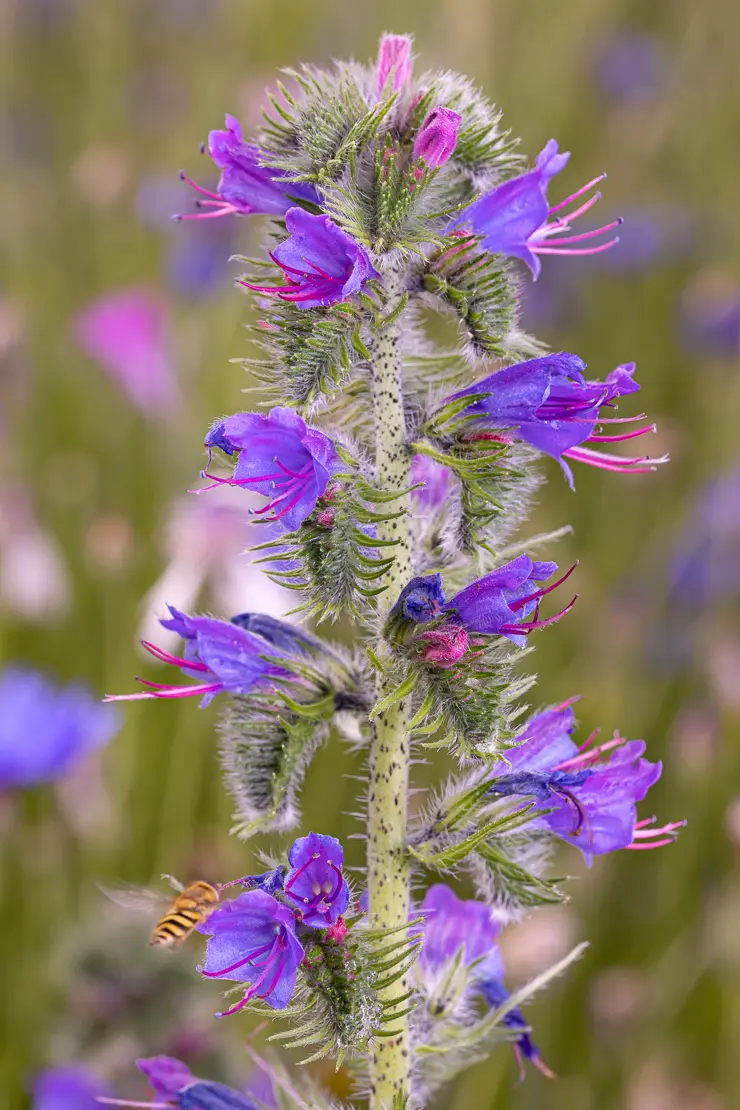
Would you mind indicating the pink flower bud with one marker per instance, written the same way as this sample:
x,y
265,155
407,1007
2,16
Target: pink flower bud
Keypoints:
x,y
437,137
325,517
395,54
444,646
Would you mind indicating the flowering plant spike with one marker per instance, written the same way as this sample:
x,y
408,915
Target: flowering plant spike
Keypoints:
x,y
384,478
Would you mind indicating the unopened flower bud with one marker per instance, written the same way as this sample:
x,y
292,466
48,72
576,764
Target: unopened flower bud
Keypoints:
x,y
395,54
437,137
444,646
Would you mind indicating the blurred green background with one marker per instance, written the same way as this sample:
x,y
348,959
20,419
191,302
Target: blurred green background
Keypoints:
x,y
102,102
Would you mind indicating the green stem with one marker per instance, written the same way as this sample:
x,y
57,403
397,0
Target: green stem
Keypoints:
x,y
388,872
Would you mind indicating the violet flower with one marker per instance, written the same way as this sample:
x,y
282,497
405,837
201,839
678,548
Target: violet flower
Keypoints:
x,y
45,729
592,792
322,264
219,654
550,404
499,603
437,137
67,1087
395,55
421,600
279,457
173,1081
127,333
450,925
252,940
246,186
513,219
315,880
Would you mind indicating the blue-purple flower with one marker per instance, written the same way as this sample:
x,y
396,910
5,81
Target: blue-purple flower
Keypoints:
x,y
549,403
513,219
421,599
252,940
246,185
451,925
437,137
46,729
281,458
499,603
394,55
173,1081
591,792
220,655
315,881
322,264
68,1087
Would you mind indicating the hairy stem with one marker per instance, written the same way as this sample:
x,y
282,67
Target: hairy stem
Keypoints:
x,y
388,874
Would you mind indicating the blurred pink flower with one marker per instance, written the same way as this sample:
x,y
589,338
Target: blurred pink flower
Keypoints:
x,y
126,332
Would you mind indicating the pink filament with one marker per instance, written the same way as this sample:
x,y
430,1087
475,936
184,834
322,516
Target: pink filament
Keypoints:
x,y
614,462
165,657
578,193
240,963
624,436
522,601
569,250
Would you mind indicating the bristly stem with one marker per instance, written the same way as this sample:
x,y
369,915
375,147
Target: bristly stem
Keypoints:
x,y
388,873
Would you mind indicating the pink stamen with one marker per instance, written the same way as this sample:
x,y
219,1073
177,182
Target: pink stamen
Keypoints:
x,y
275,978
165,657
586,234
166,692
227,210
642,833
568,217
199,188
515,606
299,872
127,1102
568,250
566,704
578,193
615,463
624,436
589,756
526,627
654,844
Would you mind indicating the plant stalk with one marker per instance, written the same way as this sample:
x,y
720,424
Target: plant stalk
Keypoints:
x,y
388,871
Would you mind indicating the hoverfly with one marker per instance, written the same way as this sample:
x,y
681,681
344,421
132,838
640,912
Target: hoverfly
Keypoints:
x,y
191,906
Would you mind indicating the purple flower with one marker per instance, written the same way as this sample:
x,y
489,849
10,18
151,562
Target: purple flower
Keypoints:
x,y
219,654
252,940
421,600
451,925
322,264
68,1087
127,332
395,55
592,792
631,67
437,137
173,1080
315,881
709,318
549,403
279,457
498,603
436,478
513,219
45,730
246,186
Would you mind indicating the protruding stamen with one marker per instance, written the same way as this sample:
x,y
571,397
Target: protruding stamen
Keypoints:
x,y
578,193
515,606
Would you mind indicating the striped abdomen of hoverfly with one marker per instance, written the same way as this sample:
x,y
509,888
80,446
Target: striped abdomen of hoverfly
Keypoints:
x,y
189,909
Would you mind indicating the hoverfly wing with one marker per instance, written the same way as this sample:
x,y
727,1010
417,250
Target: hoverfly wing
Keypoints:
x,y
136,898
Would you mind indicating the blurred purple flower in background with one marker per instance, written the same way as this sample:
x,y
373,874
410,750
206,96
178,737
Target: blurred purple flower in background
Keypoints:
x,y
68,1087
592,792
437,480
45,730
705,565
172,1080
252,940
630,66
709,316
450,925
315,879
513,219
127,333
280,457
245,186
322,264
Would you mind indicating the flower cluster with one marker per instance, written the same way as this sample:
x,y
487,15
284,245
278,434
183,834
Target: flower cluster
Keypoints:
x,y
258,938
